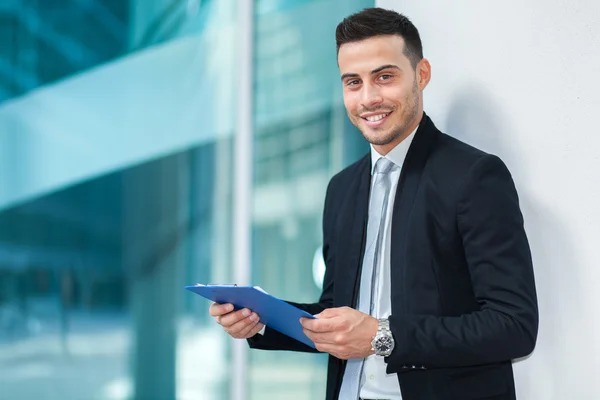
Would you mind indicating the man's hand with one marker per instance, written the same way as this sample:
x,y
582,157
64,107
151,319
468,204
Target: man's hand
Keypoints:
x,y
241,324
342,332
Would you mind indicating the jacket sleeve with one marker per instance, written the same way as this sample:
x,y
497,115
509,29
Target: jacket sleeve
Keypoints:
x,y
497,252
273,340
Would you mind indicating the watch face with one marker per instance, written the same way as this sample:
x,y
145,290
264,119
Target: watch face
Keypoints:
x,y
384,344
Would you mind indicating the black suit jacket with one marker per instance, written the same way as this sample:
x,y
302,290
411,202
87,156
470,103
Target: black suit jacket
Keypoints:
x,y
463,294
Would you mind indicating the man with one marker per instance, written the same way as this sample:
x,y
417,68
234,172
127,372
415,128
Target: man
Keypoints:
x,y
429,289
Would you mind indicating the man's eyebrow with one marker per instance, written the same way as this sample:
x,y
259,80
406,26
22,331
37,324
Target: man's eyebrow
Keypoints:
x,y
349,75
387,66
376,70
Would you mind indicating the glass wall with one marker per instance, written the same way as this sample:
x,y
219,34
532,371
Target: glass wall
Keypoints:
x,y
302,137
116,126
117,123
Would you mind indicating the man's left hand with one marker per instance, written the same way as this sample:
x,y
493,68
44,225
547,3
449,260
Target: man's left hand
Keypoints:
x,y
342,332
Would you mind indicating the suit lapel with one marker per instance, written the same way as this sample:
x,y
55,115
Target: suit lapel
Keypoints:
x,y
408,184
354,230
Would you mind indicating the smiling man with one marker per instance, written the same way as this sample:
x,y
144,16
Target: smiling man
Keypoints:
x,y
429,289
383,100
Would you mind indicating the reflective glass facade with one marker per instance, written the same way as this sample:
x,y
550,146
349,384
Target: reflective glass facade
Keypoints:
x,y
117,124
302,137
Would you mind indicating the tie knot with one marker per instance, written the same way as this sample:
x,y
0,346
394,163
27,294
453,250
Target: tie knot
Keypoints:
x,y
383,166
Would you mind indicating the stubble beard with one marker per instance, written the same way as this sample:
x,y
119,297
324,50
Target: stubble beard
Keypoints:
x,y
409,114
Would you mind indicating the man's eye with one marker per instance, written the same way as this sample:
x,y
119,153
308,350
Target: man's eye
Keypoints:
x,y
385,77
352,83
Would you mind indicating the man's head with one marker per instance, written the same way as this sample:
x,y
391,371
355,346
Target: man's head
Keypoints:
x,y
380,57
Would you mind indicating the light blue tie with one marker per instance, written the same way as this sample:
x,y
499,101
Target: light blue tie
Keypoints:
x,y
377,211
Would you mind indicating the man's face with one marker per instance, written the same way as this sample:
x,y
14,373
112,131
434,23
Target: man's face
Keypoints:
x,y
382,91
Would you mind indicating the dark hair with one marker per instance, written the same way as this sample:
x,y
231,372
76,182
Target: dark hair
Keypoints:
x,y
372,22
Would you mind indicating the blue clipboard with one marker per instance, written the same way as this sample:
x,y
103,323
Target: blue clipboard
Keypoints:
x,y
273,312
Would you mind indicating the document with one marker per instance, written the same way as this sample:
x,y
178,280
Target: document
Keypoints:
x,y
273,312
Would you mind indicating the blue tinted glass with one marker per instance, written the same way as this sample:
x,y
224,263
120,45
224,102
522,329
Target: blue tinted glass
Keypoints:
x,y
116,127
302,136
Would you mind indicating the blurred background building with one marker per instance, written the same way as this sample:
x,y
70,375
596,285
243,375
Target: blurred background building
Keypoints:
x,y
118,120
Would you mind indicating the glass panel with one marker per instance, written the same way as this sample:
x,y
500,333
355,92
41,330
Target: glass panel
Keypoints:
x,y
302,137
116,123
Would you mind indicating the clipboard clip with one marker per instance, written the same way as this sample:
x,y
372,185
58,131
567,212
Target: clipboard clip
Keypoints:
x,y
222,284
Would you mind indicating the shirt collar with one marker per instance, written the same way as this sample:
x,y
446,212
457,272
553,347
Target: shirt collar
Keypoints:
x,y
397,155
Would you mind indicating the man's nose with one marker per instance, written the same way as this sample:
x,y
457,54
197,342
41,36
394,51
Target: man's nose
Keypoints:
x,y
371,96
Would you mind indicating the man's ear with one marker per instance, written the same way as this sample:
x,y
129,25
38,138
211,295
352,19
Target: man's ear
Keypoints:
x,y
423,73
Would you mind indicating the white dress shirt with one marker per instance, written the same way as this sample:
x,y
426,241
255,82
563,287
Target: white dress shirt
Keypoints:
x,y
377,383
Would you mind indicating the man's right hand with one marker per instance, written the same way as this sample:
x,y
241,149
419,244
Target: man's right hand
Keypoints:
x,y
241,324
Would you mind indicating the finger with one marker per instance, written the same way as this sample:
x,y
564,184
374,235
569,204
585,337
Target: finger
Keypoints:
x,y
321,338
242,334
336,351
308,323
234,317
240,327
312,336
318,325
245,333
326,348
255,330
216,309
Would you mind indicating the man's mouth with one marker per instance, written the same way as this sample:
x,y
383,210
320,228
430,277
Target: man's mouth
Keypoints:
x,y
373,119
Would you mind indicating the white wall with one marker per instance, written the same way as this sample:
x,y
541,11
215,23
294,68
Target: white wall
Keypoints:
x,y
521,79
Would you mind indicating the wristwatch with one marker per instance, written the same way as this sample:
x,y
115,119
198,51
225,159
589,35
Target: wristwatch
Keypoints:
x,y
383,341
